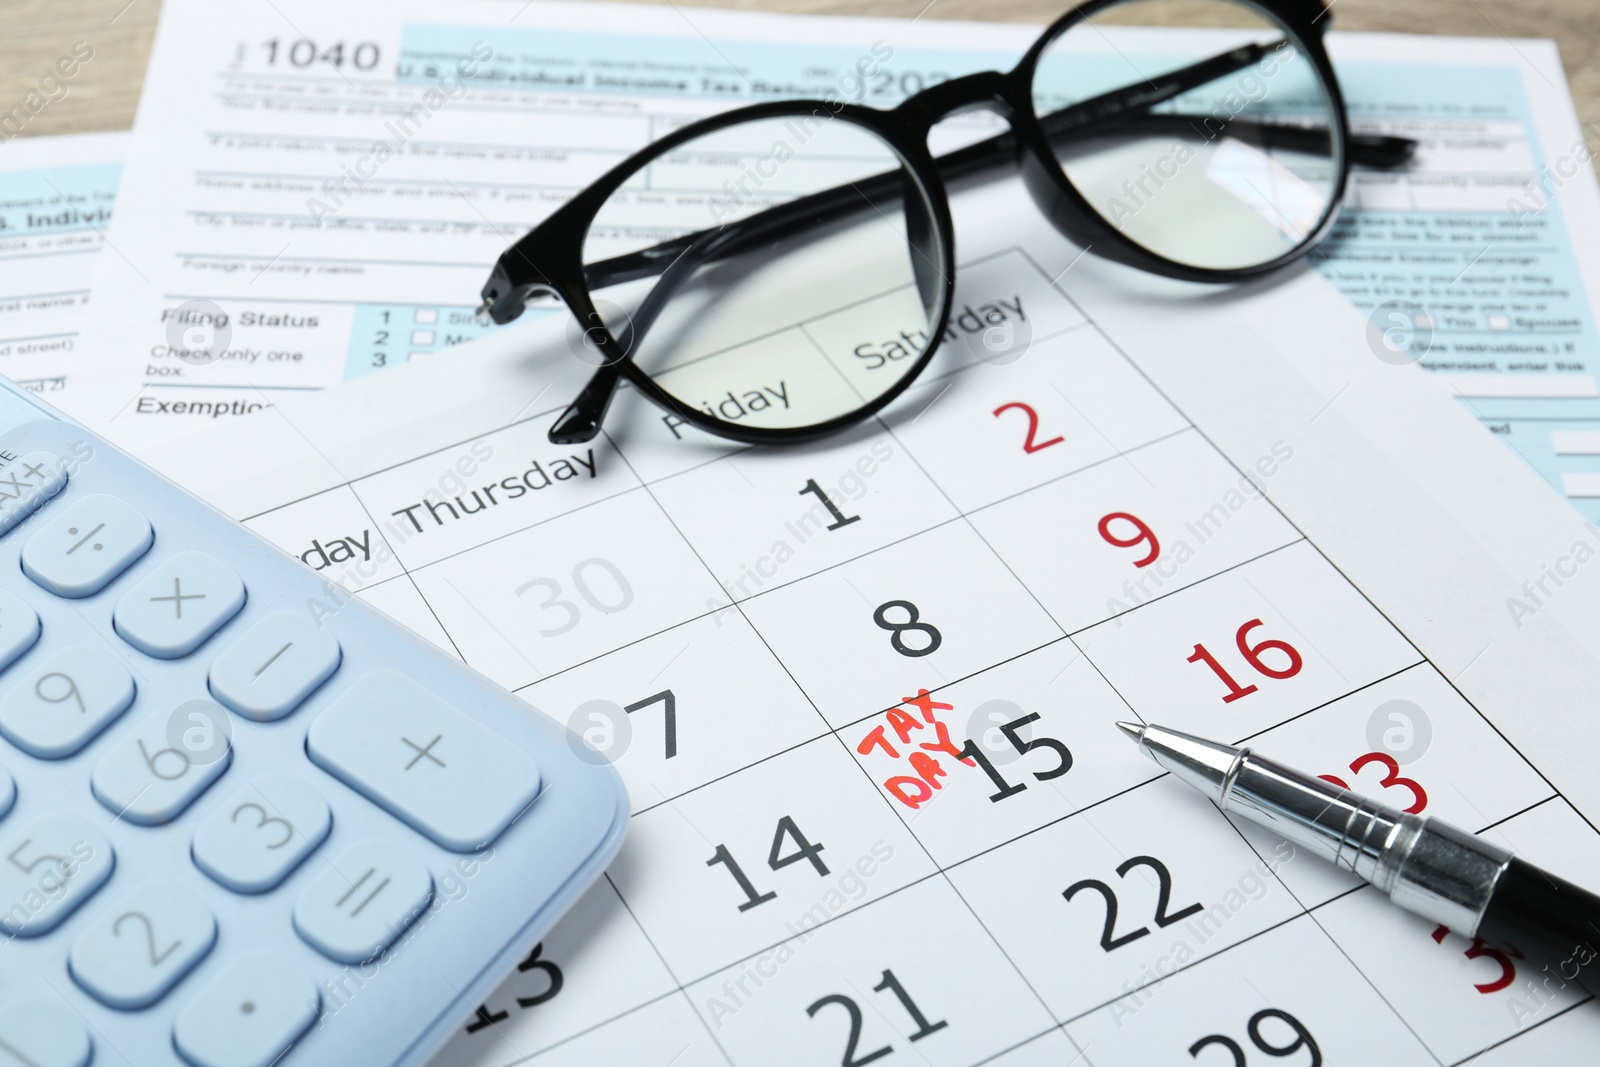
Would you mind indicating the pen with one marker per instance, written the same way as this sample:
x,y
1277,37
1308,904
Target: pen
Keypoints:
x,y
1473,886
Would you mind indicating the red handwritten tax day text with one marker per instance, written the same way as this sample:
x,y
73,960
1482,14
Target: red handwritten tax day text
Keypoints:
x,y
914,790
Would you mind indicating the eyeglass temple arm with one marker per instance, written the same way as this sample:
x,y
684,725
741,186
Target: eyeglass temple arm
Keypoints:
x,y
506,292
991,153
1377,151
581,420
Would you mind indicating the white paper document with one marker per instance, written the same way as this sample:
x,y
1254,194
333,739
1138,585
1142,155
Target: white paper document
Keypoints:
x,y
55,203
863,692
319,190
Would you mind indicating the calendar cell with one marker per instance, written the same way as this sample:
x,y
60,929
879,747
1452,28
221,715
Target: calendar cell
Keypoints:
x,y
594,965
658,444
1547,1040
667,1027
1003,307
731,869
1551,835
1458,994
1039,744
1139,886
1411,742
780,515
566,591
1126,531
401,601
695,703
915,975
916,615
994,431
458,498
333,535
1050,1049
1247,649
1287,996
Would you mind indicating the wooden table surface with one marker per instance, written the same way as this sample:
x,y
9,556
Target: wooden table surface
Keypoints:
x,y
103,96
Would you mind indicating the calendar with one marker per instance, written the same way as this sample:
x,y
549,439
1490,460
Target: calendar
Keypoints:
x,y
863,692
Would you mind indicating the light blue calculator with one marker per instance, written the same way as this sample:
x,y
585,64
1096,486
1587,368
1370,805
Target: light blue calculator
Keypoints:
x,y
243,818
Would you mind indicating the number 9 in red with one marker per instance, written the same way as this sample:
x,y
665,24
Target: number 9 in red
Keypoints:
x,y
1143,536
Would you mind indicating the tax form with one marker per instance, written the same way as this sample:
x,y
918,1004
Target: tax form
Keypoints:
x,y
319,190
55,203
863,692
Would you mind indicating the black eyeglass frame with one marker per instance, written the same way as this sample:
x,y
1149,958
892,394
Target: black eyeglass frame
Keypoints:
x,y
549,258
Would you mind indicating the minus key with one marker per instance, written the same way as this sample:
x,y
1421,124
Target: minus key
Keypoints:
x,y
275,665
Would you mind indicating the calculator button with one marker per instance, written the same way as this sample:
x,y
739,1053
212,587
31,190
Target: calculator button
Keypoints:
x,y
168,759
42,1033
134,953
93,540
19,628
26,484
424,760
50,867
8,793
362,901
276,664
178,605
59,706
253,841
250,1012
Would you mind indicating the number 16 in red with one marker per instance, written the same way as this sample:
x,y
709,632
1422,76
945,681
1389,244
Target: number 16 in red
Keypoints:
x,y
1252,656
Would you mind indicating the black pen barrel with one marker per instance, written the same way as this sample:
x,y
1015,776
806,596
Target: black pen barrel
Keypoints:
x,y
1554,924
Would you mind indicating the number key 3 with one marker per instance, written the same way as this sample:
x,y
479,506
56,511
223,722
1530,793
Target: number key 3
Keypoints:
x,y
261,833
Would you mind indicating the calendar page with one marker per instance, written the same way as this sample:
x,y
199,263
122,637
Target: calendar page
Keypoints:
x,y
863,692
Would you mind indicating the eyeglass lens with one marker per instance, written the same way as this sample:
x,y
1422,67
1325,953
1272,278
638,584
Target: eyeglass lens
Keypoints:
x,y
1234,164
779,330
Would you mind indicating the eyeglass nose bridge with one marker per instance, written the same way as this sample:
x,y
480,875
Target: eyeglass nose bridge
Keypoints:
x,y
988,90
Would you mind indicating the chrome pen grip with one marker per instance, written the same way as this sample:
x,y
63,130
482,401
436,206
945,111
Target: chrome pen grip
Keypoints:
x,y
1426,867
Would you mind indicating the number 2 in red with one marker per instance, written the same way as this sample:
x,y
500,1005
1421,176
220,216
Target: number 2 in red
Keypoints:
x,y
1029,445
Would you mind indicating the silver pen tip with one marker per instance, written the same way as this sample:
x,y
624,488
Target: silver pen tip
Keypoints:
x,y
1206,765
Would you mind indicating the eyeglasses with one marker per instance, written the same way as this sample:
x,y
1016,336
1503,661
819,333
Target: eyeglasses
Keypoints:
x,y
818,281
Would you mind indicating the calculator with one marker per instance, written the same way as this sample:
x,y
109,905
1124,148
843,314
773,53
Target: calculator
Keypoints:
x,y
244,818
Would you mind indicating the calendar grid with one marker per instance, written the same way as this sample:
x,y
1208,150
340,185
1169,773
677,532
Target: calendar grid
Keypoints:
x,y
679,988
543,415
1309,911
683,985
940,870
408,573
1121,454
940,873
752,610
1337,569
